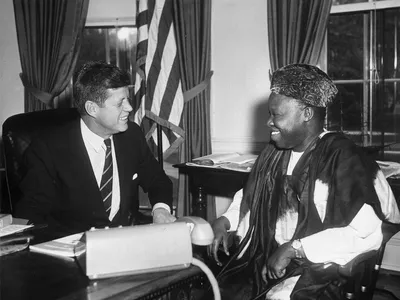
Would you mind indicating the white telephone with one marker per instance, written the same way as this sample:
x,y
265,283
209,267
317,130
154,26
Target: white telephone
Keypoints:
x,y
136,249
201,231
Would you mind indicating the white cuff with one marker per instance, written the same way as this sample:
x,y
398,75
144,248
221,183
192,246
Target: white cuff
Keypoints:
x,y
161,205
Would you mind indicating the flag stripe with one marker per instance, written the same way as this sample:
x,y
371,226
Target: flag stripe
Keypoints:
x,y
169,95
162,90
141,18
159,33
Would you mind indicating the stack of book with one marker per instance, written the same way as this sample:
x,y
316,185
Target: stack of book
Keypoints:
x,y
12,238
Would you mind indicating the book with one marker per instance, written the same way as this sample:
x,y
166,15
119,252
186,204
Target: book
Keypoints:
x,y
68,246
230,161
7,227
14,243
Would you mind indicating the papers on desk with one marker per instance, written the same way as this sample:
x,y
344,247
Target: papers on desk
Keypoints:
x,y
68,246
7,227
231,161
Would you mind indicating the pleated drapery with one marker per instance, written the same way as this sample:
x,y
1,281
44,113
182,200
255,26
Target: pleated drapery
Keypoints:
x,y
49,37
296,30
192,19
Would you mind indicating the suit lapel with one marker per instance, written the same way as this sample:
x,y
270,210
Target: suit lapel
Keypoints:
x,y
76,150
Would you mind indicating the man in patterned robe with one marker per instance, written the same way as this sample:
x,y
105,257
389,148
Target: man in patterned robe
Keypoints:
x,y
313,199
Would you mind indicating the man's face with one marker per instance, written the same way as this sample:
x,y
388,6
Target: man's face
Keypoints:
x,y
287,123
112,116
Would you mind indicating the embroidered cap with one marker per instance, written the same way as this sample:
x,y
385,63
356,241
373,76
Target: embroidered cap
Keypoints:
x,y
305,83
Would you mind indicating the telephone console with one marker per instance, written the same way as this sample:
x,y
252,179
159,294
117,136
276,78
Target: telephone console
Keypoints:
x,y
136,249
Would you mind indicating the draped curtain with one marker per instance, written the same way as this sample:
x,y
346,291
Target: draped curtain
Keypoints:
x,y
296,30
49,37
192,19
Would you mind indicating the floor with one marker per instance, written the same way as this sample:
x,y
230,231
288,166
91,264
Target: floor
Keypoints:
x,y
388,281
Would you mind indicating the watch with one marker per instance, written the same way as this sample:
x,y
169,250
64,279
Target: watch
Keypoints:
x,y
296,245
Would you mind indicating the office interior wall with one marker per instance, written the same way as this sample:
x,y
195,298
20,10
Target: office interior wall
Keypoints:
x,y
240,84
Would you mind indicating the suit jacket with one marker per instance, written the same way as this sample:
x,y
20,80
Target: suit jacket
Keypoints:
x,y
60,188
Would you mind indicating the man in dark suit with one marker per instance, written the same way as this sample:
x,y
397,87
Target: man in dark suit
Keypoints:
x,y
86,173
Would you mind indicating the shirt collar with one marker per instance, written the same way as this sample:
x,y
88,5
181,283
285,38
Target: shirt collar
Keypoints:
x,y
91,139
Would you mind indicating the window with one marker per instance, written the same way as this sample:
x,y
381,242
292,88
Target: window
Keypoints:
x,y
116,45
363,60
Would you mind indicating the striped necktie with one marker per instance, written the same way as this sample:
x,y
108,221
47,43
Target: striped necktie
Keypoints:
x,y
107,178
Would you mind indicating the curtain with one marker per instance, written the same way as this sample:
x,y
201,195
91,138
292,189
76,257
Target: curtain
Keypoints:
x,y
296,30
193,36
49,37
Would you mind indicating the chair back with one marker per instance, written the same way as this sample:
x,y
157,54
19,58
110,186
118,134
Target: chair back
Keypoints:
x,y
18,132
370,263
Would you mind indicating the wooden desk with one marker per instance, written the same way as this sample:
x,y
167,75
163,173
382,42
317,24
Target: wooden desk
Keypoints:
x,y
212,181
29,275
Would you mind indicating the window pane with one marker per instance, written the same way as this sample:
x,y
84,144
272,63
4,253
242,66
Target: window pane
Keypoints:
x,y
345,114
388,43
346,46
93,45
127,38
114,45
386,117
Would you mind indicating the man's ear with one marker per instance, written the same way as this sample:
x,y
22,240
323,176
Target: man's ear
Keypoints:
x,y
308,113
91,108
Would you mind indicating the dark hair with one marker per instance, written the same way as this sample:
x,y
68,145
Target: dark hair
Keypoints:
x,y
93,79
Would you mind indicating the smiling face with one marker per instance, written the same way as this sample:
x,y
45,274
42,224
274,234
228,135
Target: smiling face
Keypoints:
x,y
287,122
112,116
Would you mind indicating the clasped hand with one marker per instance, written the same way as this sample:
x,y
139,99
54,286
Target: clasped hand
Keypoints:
x,y
277,262
162,216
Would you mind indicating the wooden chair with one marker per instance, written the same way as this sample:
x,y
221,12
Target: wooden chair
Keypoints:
x,y
363,271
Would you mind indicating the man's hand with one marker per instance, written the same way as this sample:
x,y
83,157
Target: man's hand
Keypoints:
x,y
220,227
162,216
277,263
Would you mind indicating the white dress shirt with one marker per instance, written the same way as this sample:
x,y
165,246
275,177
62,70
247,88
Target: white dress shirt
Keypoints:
x,y
97,150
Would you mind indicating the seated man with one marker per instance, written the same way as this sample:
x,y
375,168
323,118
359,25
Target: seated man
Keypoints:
x,y
86,173
313,197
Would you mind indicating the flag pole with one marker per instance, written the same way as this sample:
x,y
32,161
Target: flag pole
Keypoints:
x,y
159,145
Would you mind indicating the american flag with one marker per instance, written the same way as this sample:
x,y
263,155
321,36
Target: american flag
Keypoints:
x,y
158,90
